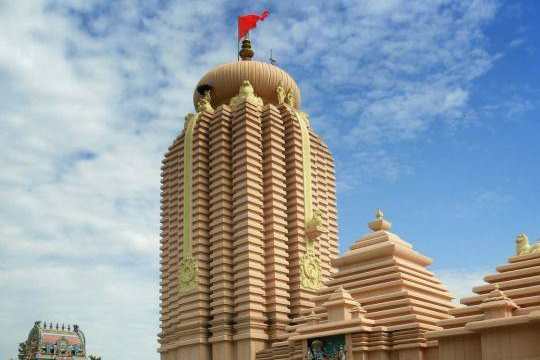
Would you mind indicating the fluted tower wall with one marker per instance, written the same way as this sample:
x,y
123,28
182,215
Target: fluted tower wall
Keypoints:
x,y
243,165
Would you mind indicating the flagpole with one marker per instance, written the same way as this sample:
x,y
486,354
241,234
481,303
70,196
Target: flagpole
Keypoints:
x,y
237,40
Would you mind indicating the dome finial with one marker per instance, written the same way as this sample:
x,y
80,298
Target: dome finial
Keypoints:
x,y
246,53
380,223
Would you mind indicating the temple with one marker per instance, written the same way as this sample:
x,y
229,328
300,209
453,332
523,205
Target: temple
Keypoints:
x,y
250,268
53,342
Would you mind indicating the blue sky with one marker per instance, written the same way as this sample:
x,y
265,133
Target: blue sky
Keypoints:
x,y
430,108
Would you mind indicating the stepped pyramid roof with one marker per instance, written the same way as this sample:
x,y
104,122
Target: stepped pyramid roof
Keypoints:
x,y
511,294
386,286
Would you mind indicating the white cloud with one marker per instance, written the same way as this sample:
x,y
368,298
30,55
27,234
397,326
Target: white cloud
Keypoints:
x,y
380,72
372,166
487,202
517,42
460,282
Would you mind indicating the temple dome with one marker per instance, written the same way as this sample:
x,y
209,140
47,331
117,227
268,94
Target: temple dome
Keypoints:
x,y
225,80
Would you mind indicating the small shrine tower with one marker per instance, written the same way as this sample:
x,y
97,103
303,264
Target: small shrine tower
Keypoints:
x,y
58,341
248,215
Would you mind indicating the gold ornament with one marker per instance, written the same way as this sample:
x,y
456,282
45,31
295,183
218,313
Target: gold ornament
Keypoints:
x,y
188,273
310,275
310,267
188,265
205,103
280,92
246,93
314,226
523,247
290,99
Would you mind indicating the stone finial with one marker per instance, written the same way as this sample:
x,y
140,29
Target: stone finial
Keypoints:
x,y
246,53
380,223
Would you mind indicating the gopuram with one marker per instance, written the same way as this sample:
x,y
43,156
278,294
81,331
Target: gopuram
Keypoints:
x,y
54,342
249,257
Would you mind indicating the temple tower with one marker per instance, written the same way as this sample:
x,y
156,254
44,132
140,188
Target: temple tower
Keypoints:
x,y
248,215
48,341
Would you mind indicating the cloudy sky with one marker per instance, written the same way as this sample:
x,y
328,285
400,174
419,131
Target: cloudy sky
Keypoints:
x,y
430,107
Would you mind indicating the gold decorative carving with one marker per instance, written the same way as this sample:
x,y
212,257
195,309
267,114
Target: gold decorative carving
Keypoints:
x,y
246,93
205,103
306,165
290,99
314,226
305,118
188,273
280,93
188,265
310,276
310,267
523,247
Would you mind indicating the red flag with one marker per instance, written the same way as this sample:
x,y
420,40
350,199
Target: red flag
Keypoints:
x,y
248,22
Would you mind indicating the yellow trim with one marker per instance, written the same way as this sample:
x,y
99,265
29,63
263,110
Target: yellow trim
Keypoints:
x,y
188,265
306,167
188,186
310,275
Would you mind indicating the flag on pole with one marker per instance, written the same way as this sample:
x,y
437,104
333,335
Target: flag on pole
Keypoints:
x,y
248,22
